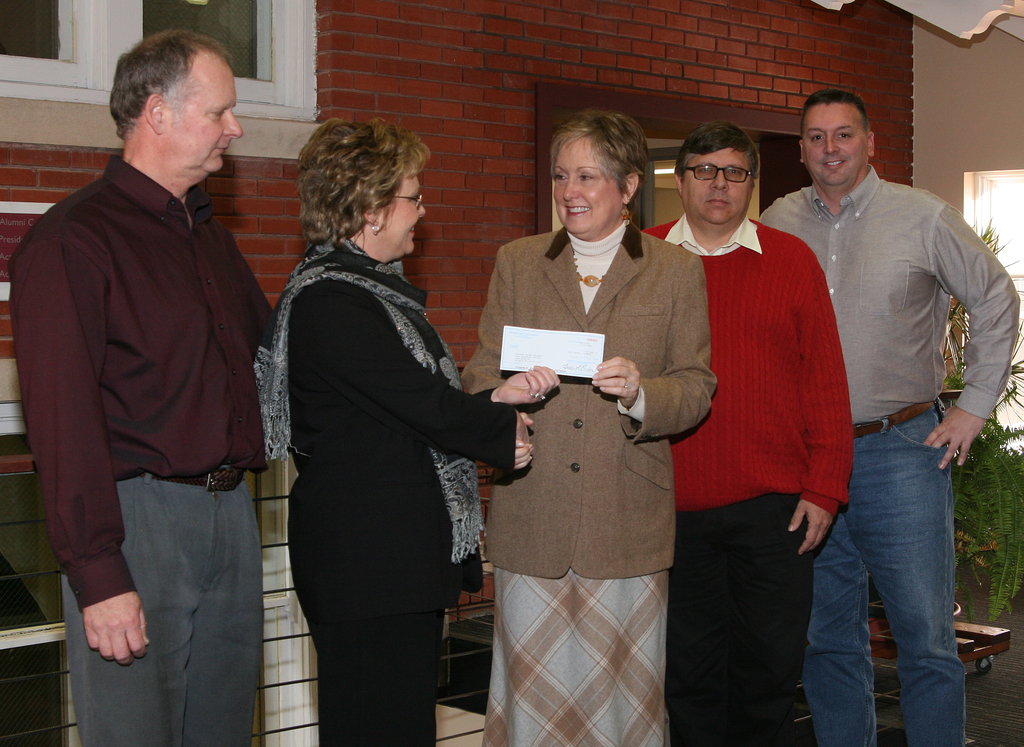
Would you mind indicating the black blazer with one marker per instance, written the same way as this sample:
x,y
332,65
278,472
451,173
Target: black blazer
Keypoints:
x,y
369,531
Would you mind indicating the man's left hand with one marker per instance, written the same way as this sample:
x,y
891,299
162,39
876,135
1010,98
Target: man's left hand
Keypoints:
x,y
818,522
956,432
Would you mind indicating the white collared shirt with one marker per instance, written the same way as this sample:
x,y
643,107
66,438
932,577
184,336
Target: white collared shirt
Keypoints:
x,y
745,235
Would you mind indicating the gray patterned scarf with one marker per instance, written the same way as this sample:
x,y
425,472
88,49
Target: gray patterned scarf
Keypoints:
x,y
405,305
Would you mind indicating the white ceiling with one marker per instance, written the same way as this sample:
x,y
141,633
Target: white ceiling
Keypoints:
x,y
963,18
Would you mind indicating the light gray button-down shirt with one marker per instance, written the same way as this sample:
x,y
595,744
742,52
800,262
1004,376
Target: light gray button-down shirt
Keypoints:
x,y
892,258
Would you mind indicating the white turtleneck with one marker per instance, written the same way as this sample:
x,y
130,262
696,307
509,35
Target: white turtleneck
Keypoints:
x,y
594,258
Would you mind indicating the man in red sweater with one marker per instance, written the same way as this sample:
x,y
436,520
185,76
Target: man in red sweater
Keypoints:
x,y
760,480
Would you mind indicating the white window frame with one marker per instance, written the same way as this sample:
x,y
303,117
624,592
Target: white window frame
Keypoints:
x,y
103,29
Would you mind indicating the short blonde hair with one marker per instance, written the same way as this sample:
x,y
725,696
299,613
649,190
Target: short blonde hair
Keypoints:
x,y
618,143
347,169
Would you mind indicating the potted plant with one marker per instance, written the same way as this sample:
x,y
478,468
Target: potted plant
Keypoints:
x,y
988,489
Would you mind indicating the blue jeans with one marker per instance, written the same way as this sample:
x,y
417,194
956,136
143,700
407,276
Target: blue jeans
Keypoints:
x,y
898,527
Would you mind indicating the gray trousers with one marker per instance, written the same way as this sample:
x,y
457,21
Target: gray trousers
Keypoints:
x,y
195,559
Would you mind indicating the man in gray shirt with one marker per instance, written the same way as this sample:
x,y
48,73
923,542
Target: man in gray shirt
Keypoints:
x,y
892,257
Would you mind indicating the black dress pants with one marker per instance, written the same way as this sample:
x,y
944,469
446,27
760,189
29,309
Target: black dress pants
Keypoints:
x,y
377,680
739,603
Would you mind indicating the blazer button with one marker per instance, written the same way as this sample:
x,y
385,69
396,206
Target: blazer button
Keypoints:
x,y
574,467
577,423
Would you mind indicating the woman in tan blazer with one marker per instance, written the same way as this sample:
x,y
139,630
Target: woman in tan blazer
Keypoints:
x,y
582,540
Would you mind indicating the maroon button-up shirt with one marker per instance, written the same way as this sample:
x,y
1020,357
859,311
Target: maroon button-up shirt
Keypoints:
x,y
135,336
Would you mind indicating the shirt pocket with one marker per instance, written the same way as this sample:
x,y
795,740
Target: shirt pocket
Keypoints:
x,y
883,287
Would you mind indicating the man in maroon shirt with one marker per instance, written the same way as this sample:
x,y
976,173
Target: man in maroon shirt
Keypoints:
x,y
136,321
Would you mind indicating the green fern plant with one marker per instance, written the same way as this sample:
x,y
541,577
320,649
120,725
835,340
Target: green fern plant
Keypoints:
x,y
988,489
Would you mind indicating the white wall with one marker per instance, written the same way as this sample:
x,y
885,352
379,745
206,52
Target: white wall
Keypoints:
x,y
968,107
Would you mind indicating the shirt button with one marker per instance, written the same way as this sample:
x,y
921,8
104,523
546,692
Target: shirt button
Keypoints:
x,y
577,423
833,258
209,280
239,420
831,291
234,372
221,326
574,467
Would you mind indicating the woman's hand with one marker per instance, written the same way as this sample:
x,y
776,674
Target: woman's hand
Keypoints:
x,y
526,387
620,378
524,449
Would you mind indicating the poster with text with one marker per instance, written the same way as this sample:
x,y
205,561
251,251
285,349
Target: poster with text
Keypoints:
x,y
15,220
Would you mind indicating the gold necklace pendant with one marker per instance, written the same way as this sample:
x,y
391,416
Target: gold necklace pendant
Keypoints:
x,y
590,280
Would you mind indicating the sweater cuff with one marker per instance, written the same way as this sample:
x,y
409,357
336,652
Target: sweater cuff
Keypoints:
x,y
821,501
107,577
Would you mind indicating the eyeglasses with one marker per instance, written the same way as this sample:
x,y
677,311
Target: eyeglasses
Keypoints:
x,y
418,199
708,171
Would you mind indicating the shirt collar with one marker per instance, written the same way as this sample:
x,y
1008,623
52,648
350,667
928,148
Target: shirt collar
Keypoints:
x,y
858,198
745,235
153,198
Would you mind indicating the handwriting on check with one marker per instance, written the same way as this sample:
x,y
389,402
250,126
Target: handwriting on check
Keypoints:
x,y
567,353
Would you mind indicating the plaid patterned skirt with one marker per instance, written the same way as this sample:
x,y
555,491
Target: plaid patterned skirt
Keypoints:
x,y
578,661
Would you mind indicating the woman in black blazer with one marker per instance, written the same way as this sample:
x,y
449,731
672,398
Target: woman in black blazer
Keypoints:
x,y
384,516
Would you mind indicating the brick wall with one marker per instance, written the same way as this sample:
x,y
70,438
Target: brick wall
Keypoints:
x,y
254,197
462,74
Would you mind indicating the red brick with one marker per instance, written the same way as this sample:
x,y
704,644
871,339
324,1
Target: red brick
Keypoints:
x,y
465,21
37,195
542,32
284,226
40,157
600,24
86,159
503,26
225,186
239,224
557,18
275,265
578,38
66,179
259,245
377,83
14,177
399,68
541,68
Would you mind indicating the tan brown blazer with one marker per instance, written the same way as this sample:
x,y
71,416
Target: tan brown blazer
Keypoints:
x,y
598,496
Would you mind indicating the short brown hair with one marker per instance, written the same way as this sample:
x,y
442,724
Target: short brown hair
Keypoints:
x,y
712,137
835,96
347,169
160,63
618,142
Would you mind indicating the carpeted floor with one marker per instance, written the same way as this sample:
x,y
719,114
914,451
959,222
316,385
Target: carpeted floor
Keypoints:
x,y
995,701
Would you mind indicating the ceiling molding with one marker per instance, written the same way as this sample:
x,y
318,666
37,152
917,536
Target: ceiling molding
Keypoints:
x,y
963,18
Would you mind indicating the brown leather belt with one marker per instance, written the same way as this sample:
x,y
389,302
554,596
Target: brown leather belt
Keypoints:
x,y
877,426
221,480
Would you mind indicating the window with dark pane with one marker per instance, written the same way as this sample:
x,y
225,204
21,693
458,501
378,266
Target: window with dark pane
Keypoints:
x,y
243,26
29,28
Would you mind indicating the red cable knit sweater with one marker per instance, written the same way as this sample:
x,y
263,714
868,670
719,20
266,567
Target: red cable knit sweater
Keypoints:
x,y
780,419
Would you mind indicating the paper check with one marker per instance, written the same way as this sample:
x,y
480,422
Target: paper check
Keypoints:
x,y
568,353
